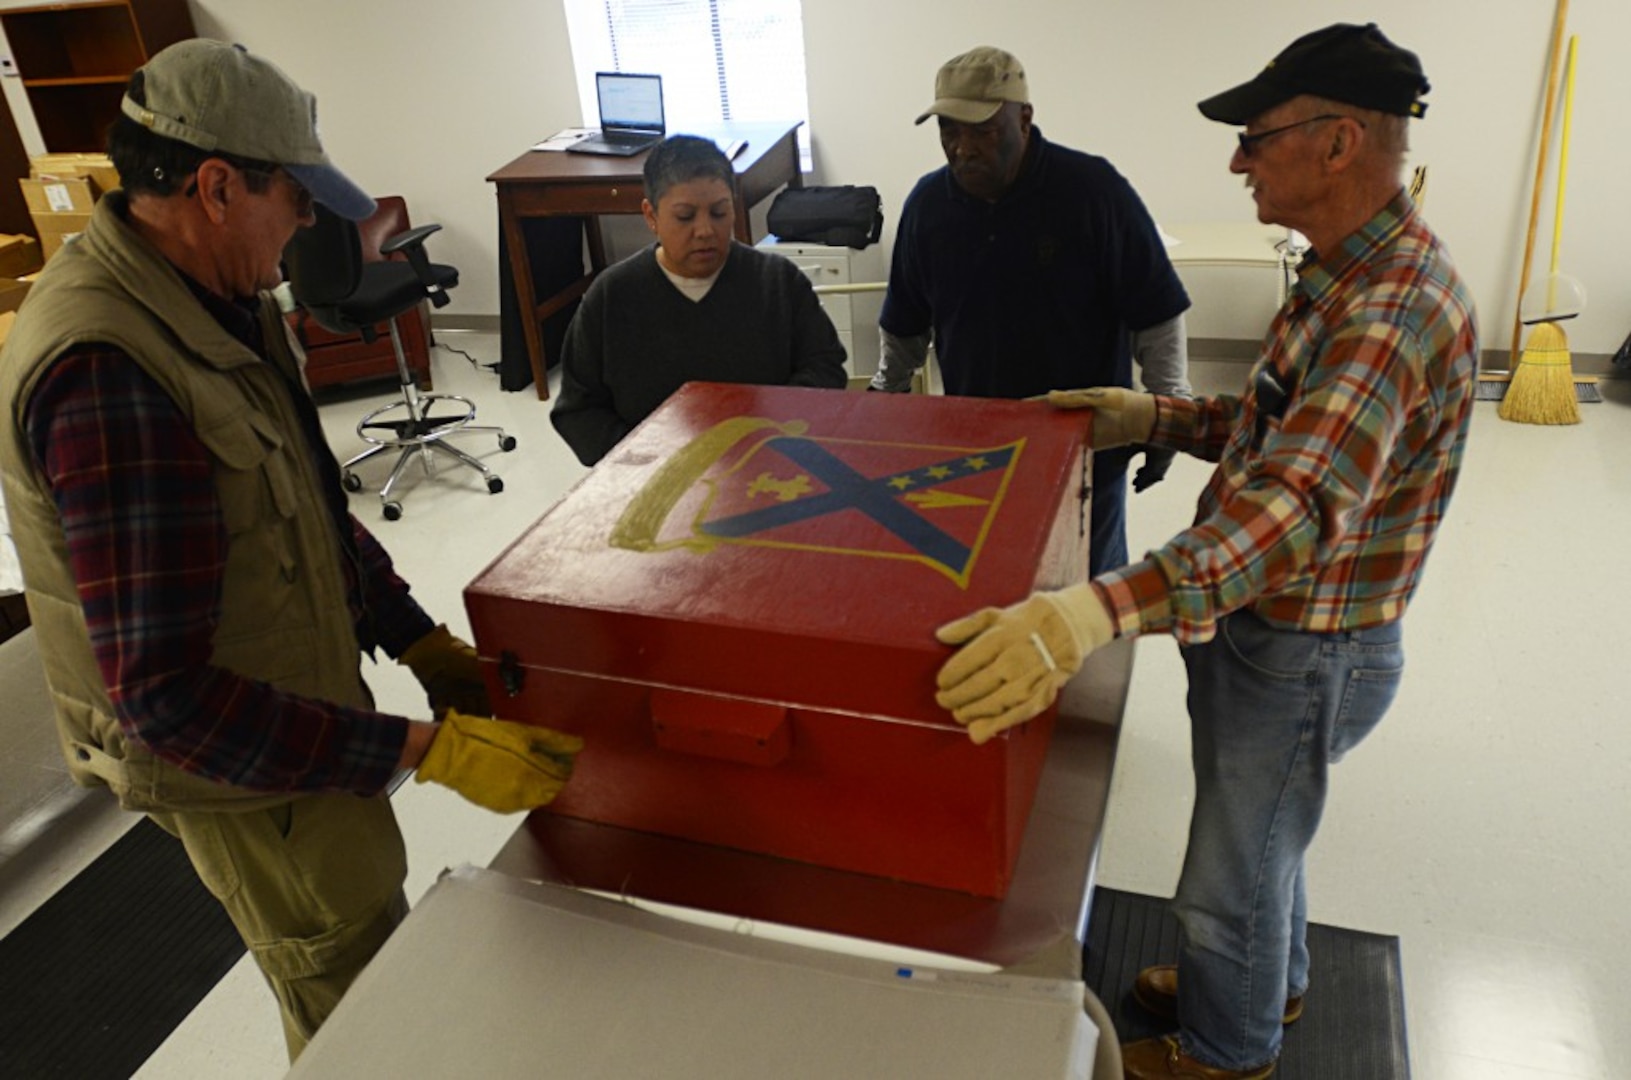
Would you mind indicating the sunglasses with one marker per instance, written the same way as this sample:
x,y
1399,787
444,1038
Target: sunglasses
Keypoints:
x,y
1249,143
1272,398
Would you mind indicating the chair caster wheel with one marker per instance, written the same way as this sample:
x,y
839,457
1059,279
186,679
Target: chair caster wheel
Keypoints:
x,y
350,481
495,484
506,443
393,511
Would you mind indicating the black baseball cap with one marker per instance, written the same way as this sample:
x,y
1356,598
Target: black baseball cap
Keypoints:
x,y
1356,65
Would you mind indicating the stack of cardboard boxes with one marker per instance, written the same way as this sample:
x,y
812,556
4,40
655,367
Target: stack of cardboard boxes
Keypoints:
x,y
60,190
19,259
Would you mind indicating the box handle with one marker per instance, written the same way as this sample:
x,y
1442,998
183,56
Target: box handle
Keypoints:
x,y
729,729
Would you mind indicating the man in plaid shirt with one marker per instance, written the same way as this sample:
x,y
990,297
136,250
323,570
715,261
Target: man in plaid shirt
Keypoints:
x,y
201,594
1334,470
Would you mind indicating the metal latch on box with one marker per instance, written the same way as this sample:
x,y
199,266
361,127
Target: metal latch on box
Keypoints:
x,y
511,674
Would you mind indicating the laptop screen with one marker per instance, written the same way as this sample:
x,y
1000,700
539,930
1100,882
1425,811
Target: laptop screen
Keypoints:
x,y
630,102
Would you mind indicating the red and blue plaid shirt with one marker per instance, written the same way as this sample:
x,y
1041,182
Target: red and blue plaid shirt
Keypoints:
x,y
133,487
1320,515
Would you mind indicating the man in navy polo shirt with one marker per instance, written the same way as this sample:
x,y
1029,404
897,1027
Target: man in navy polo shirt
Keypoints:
x,y
1032,267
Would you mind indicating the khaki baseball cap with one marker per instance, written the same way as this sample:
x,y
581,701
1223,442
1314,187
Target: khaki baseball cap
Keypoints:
x,y
971,88
220,98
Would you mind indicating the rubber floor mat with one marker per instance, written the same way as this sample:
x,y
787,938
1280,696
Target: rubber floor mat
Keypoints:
x,y
99,975
1353,1019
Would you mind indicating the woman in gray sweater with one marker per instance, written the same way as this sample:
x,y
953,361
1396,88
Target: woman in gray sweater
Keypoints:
x,y
694,305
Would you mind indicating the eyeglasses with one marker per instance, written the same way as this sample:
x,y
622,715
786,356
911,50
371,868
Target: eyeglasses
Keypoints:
x,y
304,201
1248,143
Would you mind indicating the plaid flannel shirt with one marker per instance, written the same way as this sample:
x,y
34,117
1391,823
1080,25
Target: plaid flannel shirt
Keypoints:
x,y
1320,518
147,540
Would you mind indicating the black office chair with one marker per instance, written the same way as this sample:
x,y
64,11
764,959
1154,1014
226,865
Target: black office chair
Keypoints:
x,y
346,295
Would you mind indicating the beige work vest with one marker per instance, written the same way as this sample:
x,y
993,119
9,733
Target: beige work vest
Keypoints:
x,y
283,616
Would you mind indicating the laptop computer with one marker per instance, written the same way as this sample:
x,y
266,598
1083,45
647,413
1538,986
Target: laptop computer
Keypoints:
x,y
631,115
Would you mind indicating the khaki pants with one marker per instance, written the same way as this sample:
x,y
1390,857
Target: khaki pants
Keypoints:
x,y
314,887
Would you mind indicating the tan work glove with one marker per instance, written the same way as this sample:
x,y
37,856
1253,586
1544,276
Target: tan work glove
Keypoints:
x,y
1120,417
450,673
1017,658
498,764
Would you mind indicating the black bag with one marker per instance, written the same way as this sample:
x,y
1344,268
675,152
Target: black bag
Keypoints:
x,y
846,216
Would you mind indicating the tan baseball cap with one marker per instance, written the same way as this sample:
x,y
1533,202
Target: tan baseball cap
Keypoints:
x,y
971,88
220,98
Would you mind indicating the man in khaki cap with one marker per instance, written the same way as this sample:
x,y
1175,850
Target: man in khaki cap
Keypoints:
x,y
200,592
1032,267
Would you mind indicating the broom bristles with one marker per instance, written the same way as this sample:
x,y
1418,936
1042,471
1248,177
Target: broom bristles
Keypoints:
x,y
1542,389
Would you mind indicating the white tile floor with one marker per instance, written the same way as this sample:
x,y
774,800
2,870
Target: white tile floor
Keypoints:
x,y
1484,822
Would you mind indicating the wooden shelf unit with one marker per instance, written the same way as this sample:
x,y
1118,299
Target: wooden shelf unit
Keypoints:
x,y
75,60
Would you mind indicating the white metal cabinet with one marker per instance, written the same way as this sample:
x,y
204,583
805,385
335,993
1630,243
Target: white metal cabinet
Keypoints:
x,y
854,315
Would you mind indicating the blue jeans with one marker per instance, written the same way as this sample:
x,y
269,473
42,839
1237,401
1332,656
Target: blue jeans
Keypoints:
x,y
1270,711
1107,518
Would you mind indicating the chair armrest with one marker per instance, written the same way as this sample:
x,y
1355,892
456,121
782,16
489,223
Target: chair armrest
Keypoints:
x,y
413,237
412,245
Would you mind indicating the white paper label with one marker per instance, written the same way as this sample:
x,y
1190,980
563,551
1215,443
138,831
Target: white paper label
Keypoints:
x,y
57,195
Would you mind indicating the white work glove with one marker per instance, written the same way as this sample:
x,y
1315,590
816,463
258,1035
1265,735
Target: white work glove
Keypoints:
x,y
1120,417
1017,658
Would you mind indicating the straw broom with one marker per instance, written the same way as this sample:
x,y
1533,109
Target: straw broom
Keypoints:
x,y
1542,389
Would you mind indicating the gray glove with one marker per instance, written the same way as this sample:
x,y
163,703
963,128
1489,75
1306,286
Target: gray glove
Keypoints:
x,y
1157,460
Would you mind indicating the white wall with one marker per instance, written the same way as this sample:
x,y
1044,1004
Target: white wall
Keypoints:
x,y
425,98
1121,78
422,98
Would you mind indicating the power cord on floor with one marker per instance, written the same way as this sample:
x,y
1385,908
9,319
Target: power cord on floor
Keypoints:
x,y
473,361
490,366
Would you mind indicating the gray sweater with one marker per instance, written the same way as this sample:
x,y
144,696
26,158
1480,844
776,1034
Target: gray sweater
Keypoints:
x,y
636,339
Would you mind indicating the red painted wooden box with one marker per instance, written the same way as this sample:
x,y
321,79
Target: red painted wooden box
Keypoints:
x,y
736,608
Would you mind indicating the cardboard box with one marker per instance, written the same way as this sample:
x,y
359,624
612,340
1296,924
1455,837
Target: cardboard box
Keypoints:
x,y
60,207
58,229
12,293
19,255
96,167
528,980
64,195
736,609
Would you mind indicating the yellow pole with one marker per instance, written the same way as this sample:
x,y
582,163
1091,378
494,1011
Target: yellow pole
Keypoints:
x,y
1553,71
1562,174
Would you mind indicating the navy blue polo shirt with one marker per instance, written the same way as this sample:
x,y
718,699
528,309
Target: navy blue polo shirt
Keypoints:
x,y
1037,291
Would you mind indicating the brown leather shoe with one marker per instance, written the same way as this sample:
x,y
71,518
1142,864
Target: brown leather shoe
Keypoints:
x,y
1160,1059
1156,988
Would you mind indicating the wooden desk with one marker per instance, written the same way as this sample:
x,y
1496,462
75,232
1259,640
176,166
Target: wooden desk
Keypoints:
x,y
551,184
1049,899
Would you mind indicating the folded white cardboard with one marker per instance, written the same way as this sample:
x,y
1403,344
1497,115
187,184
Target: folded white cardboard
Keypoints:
x,y
495,977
